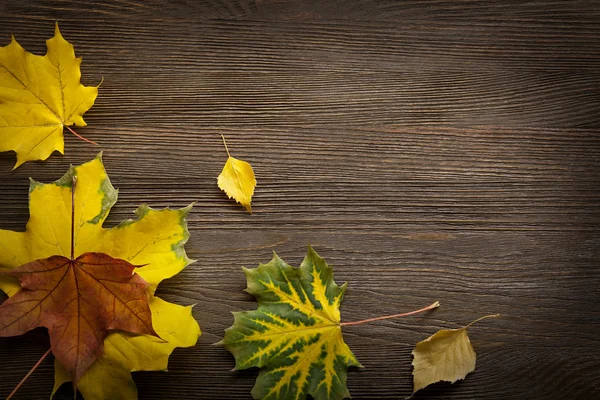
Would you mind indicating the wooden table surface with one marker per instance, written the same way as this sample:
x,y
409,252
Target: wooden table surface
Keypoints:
x,y
429,150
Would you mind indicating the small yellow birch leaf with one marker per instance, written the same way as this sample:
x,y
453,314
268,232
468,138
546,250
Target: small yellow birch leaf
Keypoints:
x,y
39,95
237,180
445,356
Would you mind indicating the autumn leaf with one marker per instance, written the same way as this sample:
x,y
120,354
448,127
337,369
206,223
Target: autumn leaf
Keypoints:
x,y
78,300
294,336
445,356
40,95
237,180
155,240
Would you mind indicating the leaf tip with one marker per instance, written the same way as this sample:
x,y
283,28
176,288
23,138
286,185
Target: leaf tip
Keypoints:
x,y
343,287
33,184
142,210
57,33
312,253
246,270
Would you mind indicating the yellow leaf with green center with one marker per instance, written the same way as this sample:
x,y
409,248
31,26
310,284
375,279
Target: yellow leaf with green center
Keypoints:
x,y
294,335
39,96
155,240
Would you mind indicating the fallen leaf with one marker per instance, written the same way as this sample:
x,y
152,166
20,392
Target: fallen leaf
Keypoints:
x,y
445,356
294,336
237,180
110,376
156,240
40,95
78,301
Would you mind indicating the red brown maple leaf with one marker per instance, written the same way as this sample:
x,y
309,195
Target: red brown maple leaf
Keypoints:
x,y
78,300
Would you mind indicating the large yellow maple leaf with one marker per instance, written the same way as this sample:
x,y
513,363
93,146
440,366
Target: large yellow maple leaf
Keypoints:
x,y
39,96
155,240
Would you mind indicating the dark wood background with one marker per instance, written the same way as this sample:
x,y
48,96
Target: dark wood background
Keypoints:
x,y
429,150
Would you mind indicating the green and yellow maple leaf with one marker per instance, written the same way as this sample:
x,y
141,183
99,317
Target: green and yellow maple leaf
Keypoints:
x,y
294,335
40,95
155,240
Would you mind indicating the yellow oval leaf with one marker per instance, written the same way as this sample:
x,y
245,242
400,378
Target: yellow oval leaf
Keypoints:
x,y
445,356
238,182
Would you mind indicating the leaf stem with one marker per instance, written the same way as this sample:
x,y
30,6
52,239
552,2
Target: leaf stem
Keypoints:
x,y
29,373
226,149
79,136
484,317
364,321
74,184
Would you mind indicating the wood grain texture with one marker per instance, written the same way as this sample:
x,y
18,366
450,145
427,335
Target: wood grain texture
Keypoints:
x,y
429,150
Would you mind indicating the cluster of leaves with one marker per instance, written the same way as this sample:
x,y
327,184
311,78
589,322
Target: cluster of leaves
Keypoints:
x,y
41,95
94,288
295,336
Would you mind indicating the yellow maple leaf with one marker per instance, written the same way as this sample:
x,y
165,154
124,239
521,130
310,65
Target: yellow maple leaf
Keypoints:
x,y
155,240
446,355
39,96
237,180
